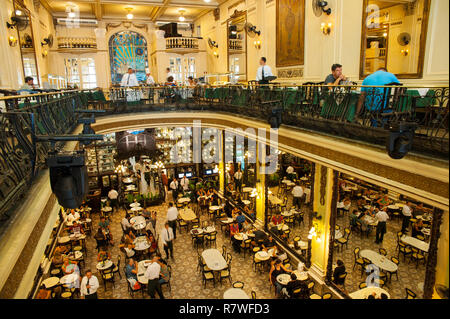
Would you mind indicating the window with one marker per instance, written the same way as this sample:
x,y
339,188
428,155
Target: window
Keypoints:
x,y
183,68
84,67
127,49
29,67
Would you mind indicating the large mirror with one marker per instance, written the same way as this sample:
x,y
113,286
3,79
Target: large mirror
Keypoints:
x,y
26,41
237,45
394,37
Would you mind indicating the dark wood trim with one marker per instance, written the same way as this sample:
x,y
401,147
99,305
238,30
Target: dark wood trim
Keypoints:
x,y
430,272
422,42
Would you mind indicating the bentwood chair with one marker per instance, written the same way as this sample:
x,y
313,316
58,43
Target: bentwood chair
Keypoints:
x,y
382,251
211,238
107,275
417,255
327,296
253,294
238,284
395,261
208,276
116,267
344,240
182,224
410,294
358,260
362,285
246,246
167,283
226,273
224,251
404,250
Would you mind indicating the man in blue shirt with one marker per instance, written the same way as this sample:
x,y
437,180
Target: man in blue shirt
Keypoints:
x,y
373,97
240,220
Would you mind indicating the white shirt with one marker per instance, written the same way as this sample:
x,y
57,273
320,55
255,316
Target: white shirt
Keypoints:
x,y
382,216
290,170
153,271
130,252
72,217
185,183
172,214
406,211
113,194
238,175
167,235
150,80
297,191
129,80
93,283
174,185
267,72
125,223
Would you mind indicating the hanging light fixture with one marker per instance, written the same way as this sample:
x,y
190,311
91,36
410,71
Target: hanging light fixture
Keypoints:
x,y
181,18
129,14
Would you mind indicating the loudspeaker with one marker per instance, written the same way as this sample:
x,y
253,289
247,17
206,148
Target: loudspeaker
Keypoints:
x,y
400,139
68,178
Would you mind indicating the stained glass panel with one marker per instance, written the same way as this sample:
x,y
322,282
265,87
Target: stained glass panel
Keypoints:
x,y
127,49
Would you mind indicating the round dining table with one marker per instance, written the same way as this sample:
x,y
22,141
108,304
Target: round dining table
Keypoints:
x,y
214,259
184,200
141,243
379,260
138,222
187,215
246,202
235,293
264,255
142,267
366,292
127,180
50,282
104,264
287,213
135,204
69,279
136,209
247,189
64,239
106,209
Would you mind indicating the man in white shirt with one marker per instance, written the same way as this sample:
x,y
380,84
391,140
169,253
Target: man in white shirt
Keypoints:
x,y
172,215
407,213
298,193
126,225
174,188
382,217
264,71
152,274
238,179
89,286
167,238
73,216
112,195
129,251
169,74
129,79
150,80
185,184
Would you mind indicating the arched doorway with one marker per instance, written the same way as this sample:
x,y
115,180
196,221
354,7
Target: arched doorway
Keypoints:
x,y
127,49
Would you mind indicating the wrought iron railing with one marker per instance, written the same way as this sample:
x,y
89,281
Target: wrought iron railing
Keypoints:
x,y
340,111
182,43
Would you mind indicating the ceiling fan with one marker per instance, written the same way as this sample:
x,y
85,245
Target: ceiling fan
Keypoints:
x,y
212,44
404,38
319,7
251,30
20,22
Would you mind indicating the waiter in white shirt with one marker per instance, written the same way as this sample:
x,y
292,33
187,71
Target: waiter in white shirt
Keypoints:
x,y
112,195
129,79
73,216
238,179
185,184
152,274
264,71
382,217
89,286
167,237
172,215
407,213
150,80
298,193
174,188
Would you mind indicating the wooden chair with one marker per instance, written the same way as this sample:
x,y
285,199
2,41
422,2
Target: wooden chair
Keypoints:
x,y
253,295
344,240
167,283
410,294
208,276
211,238
358,260
116,267
238,284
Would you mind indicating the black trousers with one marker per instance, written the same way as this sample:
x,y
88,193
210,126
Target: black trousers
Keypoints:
x,y
173,225
168,247
175,196
91,296
238,183
381,230
297,202
405,223
153,285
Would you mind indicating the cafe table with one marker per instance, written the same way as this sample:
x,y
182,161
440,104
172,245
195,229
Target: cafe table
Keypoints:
x,y
287,213
235,293
142,267
275,200
64,239
77,236
379,260
264,255
227,220
138,222
135,204
284,279
127,180
214,208
77,255
338,234
419,244
136,209
366,292
243,236
371,221
70,279
246,202
184,200
247,190
141,243
104,264
50,282
214,259
393,207
106,209
187,215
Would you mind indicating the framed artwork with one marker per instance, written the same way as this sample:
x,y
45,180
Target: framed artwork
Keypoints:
x,y
290,33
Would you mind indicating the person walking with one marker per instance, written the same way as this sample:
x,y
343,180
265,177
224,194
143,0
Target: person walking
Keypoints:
x,y
167,237
89,286
172,216
174,189
152,273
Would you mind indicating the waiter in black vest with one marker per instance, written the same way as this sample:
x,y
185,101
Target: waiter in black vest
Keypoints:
x,y
264,72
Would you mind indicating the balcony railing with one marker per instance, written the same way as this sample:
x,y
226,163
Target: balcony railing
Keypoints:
x,y
340,111
182,44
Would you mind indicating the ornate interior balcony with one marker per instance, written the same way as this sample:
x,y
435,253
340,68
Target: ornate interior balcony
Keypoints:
x,y
182,45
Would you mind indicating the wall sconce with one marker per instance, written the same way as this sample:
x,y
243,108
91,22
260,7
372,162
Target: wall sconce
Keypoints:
x,y
315,231
404,52
257,44
216,54
44,53
326,28
12,41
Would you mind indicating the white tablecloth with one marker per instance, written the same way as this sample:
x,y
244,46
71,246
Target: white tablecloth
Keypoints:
x,y
235,293
214,259
378,260
364,293
419,244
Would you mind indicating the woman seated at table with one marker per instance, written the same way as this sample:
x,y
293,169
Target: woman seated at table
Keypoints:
x,y
129,237
417,228
293,285
100,237
69,266
44,293
128,250
234,229
338,271
103,255
269,243
246,226
152,242
62,249
277,219
104,225
276,270
76,228
57,259
164,275
131,269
